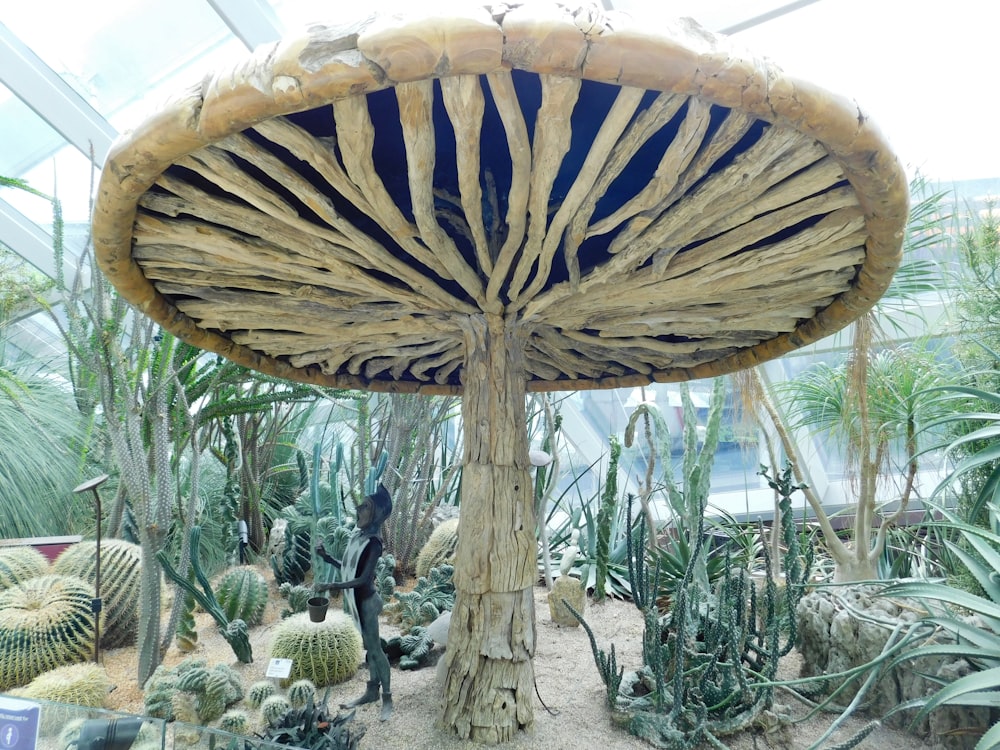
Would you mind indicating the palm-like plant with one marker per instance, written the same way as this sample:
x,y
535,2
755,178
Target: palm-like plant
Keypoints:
x,y
871,403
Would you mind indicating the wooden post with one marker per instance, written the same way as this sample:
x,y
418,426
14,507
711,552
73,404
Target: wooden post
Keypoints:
x,y
488,692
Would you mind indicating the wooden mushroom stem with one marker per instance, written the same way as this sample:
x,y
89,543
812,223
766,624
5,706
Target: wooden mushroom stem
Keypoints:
x,y
488,691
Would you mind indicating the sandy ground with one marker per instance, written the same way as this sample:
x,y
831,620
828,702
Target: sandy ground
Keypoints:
x,y
570,708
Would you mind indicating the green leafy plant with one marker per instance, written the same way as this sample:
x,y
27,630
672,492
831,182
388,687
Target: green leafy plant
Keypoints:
x,y
949,609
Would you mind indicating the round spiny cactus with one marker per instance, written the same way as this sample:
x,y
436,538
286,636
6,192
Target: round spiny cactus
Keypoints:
x,y
235,721
18,564
440,548
274,708
120,566
325,652
84,685
301,693
78,684
259,692
242,594
45,623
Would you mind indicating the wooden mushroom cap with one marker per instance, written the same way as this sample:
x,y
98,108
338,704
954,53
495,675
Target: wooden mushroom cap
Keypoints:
x,y
651,206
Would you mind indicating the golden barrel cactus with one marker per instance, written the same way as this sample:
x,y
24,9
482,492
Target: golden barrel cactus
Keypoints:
x,y
326,653
45,623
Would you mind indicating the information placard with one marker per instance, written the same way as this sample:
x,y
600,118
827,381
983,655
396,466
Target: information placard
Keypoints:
x,y
18,724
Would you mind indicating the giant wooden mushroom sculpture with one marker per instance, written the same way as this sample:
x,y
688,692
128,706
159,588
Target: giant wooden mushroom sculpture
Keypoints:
x,y
486,201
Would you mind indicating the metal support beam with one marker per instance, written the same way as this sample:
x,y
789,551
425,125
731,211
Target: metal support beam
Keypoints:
x,y
55,101
33,243
253,22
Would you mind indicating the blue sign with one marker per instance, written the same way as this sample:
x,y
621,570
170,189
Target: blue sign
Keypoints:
x,y
18,724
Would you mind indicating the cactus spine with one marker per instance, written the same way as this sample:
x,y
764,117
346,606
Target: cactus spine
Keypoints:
x,y
439,549
45,623
18,564
301,693
274,709
78,684
259,692
242,594
120,562
326,652
604,517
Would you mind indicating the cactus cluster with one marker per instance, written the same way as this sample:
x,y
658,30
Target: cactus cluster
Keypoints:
x,y
439,549
432,596
45,623
242,594
18,564
192,692
325,653
259,692
120,566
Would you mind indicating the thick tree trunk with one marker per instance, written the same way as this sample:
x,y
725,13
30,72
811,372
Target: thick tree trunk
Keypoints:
x,y
488,691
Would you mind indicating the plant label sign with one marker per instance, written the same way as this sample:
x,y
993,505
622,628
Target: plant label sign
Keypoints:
x,y
18,724
275,668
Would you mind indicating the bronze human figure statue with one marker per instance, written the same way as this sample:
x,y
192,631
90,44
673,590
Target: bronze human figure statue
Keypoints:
x,y
357,574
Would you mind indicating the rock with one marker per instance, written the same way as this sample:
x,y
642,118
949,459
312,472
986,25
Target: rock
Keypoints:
x,y
570,590
845,627
438,630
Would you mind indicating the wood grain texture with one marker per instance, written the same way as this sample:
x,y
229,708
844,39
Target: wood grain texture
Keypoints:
x,y
582,208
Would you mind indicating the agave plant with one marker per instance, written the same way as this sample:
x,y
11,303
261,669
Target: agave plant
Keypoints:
x,y
949,608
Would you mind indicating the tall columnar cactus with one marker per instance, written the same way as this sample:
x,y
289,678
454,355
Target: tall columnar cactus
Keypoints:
x,y
234,631
45,623
242,594
326,653
439,549
18,564
605,516
120,564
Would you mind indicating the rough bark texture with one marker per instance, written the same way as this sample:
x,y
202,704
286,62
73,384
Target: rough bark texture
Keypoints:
x,y
489,687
